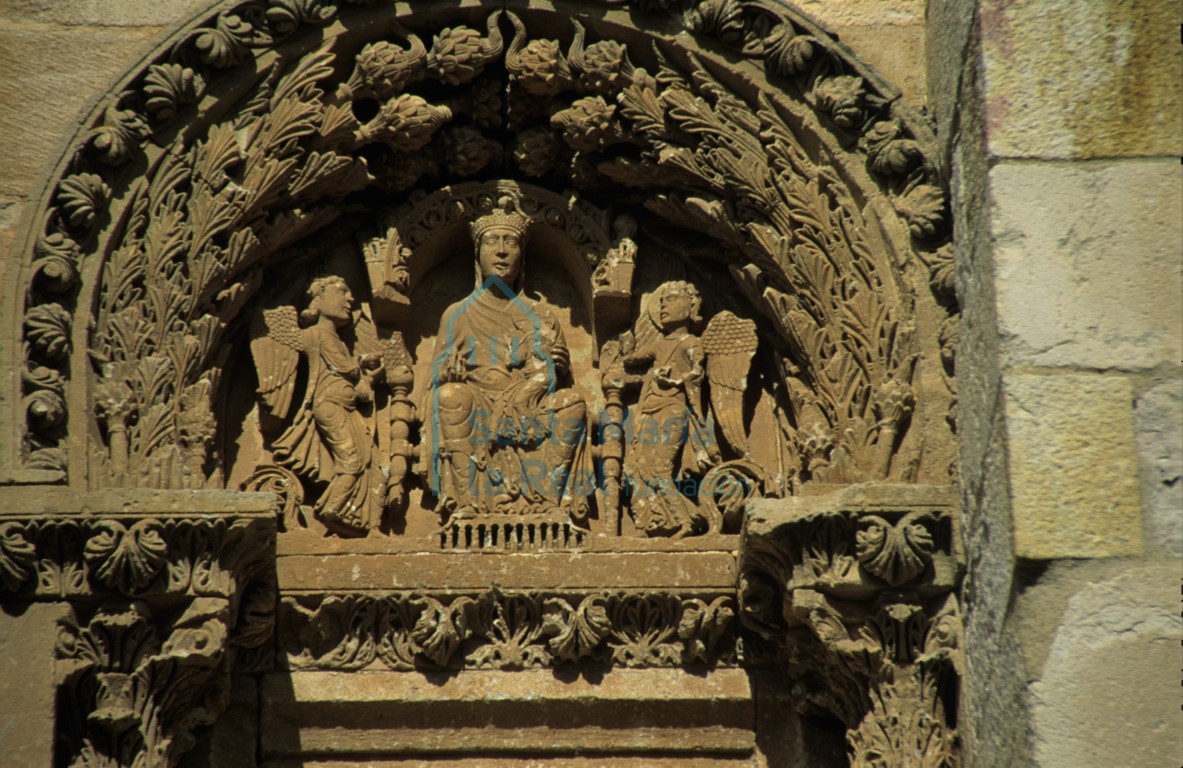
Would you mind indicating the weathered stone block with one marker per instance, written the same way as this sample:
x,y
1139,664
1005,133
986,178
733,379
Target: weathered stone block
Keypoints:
x,y
896,52
865,12
58,71
27,639
1087,263
1108,695
102,13
1158,422
487,714
1073,466
1067,79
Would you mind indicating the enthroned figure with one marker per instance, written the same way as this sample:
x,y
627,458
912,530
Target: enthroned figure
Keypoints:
x,y
328,439
506,434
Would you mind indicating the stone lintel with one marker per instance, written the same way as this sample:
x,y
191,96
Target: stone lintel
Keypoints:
x,y
61,501
477,570
526,712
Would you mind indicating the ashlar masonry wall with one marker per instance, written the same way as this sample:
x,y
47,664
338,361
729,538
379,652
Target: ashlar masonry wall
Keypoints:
x,y
1062,127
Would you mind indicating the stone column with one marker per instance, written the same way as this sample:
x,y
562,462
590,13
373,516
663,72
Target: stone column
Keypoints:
x,y
854,594
156,593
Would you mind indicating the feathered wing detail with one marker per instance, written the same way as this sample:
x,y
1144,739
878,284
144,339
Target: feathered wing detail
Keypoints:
x,y
729,343
275,346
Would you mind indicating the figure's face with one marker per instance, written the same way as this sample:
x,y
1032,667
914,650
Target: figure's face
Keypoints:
x,y
335,303
676,309
500,254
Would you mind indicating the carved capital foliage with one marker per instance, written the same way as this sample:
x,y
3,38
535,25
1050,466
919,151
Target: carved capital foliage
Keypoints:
x,y
855,595
160,603
506,630
69,557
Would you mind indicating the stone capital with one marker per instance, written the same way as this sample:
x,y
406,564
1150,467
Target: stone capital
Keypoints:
x,y
854,595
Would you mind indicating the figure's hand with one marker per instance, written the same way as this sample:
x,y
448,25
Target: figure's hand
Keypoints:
x,y
365,392
371,364
662,376
455,369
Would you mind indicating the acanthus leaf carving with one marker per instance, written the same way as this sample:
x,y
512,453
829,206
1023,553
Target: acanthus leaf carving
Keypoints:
x,y
576,630
441,628
18,556
81,197
144,656
142,696
55,264
876,646
895,553
507,630
168,87
126,559
120,135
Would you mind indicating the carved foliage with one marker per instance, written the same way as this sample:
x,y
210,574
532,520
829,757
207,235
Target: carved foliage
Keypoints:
x,y
136,693
861,605
66,558
187,260
219,205
499,630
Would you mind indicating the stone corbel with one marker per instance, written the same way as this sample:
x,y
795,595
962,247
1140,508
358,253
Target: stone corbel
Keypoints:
x,y
164,590
854,594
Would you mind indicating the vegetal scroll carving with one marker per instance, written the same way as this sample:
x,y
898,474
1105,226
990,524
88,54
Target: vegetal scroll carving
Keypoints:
x,y
507,630
817,312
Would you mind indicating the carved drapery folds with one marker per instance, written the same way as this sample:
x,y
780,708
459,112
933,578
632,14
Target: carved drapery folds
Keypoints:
x,y
776,174
854,596
161,601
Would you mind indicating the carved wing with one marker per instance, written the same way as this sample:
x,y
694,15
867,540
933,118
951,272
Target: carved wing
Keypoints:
x,y
275,345
729,343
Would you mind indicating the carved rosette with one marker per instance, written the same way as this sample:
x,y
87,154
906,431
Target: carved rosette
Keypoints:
x,y
161,602
854,595
507,630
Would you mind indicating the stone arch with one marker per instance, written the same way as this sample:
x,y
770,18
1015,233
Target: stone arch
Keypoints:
x,y
741,131
246,131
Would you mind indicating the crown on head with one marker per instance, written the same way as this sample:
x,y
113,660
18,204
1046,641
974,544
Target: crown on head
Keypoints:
x,y
500,218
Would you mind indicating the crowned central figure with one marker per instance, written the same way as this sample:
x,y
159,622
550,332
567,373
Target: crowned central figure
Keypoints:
x,y
505,432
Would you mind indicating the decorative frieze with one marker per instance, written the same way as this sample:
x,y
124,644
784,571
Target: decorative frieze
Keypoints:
x,y
507,630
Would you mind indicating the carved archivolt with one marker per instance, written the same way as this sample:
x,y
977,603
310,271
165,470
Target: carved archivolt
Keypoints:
x,y
747,234
157,237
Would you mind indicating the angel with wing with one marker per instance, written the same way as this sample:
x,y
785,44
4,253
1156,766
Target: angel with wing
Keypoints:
x,y
673,439
329,439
